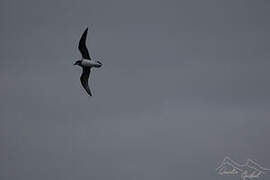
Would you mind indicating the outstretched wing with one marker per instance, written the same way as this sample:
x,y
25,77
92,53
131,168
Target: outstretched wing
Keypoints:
x,y
82,45
84,79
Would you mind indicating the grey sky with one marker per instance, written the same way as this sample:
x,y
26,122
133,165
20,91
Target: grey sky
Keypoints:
x,y
184,84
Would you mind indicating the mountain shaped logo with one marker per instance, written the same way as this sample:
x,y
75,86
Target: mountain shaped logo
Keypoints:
x,y
248,170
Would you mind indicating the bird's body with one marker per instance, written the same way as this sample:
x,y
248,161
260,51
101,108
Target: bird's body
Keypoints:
x,y
90,63
86,63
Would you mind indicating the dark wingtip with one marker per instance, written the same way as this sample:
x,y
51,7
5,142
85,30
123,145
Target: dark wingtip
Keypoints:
x,y
85,31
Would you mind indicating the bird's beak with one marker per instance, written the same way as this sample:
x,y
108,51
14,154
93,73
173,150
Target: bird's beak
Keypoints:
x,y
74,64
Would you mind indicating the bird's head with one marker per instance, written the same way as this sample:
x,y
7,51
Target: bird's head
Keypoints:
x,y
99,64
79,63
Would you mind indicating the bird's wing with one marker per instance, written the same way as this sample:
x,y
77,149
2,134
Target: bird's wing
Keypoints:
x,y
84,79
82,45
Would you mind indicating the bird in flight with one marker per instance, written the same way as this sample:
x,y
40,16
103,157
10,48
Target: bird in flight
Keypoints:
x,y
86,63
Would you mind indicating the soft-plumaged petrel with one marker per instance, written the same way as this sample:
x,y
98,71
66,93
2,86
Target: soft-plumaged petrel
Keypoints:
x,y
86,63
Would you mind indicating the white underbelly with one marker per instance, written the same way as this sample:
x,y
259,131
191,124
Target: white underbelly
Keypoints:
x,y
88,63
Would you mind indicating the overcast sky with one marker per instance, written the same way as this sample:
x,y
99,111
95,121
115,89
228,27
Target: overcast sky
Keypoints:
x,y
184,84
